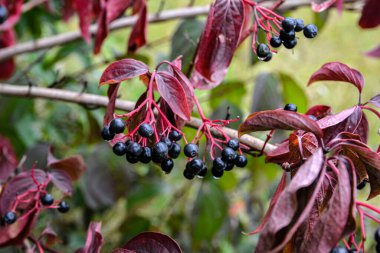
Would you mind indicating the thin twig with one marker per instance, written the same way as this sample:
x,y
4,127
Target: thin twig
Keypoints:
x,y
102,101
31,4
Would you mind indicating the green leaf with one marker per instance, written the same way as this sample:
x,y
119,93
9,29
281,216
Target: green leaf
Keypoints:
x,y
320,19
293,93
221,112
184,41
266,95
235,90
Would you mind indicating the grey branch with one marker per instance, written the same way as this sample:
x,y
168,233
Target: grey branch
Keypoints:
x,y
97,100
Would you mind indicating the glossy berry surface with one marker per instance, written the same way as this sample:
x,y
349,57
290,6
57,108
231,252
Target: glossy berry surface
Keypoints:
x,y
134,149
241,161
377,235
195,166
119,148
275,42
160,149
10,218
229,166
299,25
167,141
188,174
175,150
217,173
63,207
234,144
117,126
47,200
290,107
132,158
339,250
288,24
268,58
310,31
262,50
175,136
290,44
203,172
146,155
167,165
228,155
106,134
3,14
191,150
218,164
286,36
146,130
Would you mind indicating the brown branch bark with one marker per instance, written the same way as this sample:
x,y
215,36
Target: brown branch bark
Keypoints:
x,y
102,101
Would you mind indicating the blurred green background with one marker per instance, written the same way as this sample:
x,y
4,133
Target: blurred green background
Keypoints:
x,y
202,215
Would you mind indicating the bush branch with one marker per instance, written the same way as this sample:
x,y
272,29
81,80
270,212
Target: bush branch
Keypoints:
x,y
102,101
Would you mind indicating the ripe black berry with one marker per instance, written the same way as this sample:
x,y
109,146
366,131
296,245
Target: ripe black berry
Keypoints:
x,y
188,174
134,149
275,42
234,144
299,25
132,158
228,155
167,165
47,199
287,36
216,173
203,172
241,161
268,58
175,136
146,155
218,164
290,107
106,134
10,218
119,148
63,207
377,236
310,31
168,142
193,168
175,150
146,130
229,166
160,149
117,126
3,14
262,50
290,44
191,150
339,250
288,24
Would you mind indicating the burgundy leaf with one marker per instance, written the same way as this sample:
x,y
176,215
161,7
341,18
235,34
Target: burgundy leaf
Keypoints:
x,y
362,128
115,8
123,251
280,154
173,93
336,71
374,52
152,242
68,10
123,70
14,8
62,180
375,100
218,43
112,96
293,205
279,119
319,111
94,239
139,117
8,159
49,236
137,38
335,119
370,15
333,221
74,166
84,9
102,30
7,39
322,5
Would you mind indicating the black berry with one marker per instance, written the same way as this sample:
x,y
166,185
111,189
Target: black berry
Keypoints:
x,y
119,148
228,155
3,14
241,161
310,31
47,199
193,168
290,44
175,150
216,173
288,24
234,144
218,164
229,166
290,107
262,50
117,126
275,42
146,130
132,158
339,250
167,141
203,172
134,149
191,150
160,149
10,218
106,134
187,174
175,136
146,155
299,25
268,58
63,207
287,36
377,236
167,165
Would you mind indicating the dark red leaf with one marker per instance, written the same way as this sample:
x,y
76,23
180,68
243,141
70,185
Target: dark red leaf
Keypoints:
x,y
84,9
49,236
68,10
333,221
173,93
8,159
14,8
115,8
137,38
123,70
293,205
375,100
94,239
336,71
7,39
153,242
319,111
374,52
218,43
370,15
74,166
62,180
279,119
139,117
322,5
102,24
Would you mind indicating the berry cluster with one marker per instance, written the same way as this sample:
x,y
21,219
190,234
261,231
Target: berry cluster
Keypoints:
x,y
46,200
3,14
226,162
162,152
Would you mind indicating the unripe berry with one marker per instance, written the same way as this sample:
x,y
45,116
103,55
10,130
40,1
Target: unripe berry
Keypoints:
x,y
146,130
191,150
117,126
